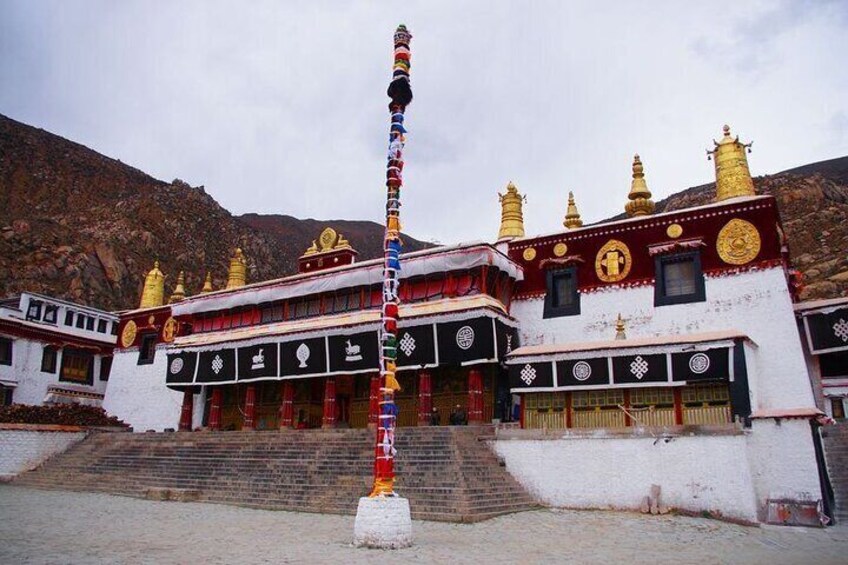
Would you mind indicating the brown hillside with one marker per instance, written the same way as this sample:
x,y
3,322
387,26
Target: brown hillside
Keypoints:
x,y
78,225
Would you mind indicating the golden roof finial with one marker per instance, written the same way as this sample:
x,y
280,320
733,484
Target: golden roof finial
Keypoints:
x,y
237,275
572,216
640,197
179,290
733,178
153,293
619,328
512,217
207,284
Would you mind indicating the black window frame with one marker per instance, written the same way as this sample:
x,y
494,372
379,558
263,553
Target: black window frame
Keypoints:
x,y
51,314
69,318
6,395
68,355
660,261
147,341
552,310
89,324
105,368
114,328
101,326
80,321
35,305
7,351
49,358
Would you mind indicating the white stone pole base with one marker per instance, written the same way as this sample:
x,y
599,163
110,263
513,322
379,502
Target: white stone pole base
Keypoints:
x,y
383,523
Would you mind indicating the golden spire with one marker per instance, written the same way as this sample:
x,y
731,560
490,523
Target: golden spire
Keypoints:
x,y
619,328
512,218
731,167
640,197
572,216
207,285
179,290
153,293
238,270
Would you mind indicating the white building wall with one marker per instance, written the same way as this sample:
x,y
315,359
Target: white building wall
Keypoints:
x,y
137,393
23,450
696,474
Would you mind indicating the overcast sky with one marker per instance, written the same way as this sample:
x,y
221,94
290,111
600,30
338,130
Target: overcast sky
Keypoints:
x,y
280,107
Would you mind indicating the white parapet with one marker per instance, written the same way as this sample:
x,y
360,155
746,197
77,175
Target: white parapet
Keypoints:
x,y
383,523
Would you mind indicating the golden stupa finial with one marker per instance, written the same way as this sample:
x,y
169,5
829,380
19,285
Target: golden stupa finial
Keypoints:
x,y
153,293
572,216
237,275
619,328
733,178
179,290
512,218
207,284
640,197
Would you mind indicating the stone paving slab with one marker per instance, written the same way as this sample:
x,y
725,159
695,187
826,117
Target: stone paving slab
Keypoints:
x,y
64,527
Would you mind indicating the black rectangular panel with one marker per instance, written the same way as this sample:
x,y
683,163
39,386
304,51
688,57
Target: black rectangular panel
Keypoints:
x,y
507,339
639,369
709,365
181,367
829,331
415,346
468,340
354,352
303,357
217,366
582,372
257,361
531,375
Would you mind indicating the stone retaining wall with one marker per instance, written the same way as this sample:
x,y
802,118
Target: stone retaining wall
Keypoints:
x,y
24,447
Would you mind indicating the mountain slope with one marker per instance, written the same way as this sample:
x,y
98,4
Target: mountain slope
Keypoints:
x,y
78,225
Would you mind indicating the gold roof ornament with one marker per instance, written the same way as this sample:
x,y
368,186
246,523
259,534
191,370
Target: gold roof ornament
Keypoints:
x,y
179,293
329,240
619,328
733,178
640,197
237,275
572,216
153,293
207,284
512,218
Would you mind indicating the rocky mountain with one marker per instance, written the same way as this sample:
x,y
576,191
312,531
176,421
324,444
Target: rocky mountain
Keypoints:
x,y
78,225
813,204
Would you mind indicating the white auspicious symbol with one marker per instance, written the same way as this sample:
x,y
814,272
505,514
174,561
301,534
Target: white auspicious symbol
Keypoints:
x,y
840,329
509,343
303,354
176,365
581,370
217,364
258,361
639,367
465,337
528,374
699,363
352,352
407,344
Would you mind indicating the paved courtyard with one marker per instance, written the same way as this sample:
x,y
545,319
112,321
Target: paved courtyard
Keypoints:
x,y
63,527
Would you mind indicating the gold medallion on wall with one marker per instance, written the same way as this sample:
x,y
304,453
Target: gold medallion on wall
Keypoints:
x,y
169,330
674,231
613,261
560,249
129,333
738,242
529,254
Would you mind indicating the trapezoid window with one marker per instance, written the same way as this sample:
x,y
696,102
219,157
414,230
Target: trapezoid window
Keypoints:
x,y
679,279
563,297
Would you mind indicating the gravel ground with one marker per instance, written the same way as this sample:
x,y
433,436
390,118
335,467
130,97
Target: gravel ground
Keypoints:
x,y
64,527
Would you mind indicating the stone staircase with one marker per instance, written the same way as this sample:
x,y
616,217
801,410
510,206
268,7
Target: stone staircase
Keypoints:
x,y
836,454
447,473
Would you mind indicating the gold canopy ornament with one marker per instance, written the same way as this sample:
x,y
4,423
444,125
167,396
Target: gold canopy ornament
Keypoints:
x,y
512,218
640,197
237,275
619,328
179,293
572,216
733,178
329,240
207,284
153,293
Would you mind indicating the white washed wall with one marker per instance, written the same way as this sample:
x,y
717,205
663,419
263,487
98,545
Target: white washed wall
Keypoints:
x,y
23,450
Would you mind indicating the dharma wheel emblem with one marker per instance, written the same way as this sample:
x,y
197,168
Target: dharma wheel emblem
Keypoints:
x,y
613,261
129,333
738,242
176,365
581,370
465,337
699,363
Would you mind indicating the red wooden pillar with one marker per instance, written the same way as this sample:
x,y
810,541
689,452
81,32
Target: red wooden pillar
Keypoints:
x,y
425,398
287,406
521,410
475,396
187,412
215,410
374,402
329,420
678,406
250,408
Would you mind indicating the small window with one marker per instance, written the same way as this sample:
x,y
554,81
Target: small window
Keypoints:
x,y
114,328
101,326
105,368
563,296
6,395
34,310
51,312
679,279
48,359
89,324
69,318
81,320
76,366
147,349
5,351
